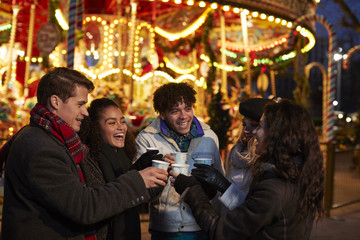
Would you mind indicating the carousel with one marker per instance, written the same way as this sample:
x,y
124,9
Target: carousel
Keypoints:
x,y
130,47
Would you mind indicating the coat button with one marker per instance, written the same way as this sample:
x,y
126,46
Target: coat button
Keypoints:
x,y
142,198
133,203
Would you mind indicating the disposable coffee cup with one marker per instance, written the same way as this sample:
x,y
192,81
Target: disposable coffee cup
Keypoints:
x,y
206,161
180,168
180,157
160,164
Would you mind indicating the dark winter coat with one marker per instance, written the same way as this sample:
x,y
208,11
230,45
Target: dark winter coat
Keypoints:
x,y
269,212
44,197
105,168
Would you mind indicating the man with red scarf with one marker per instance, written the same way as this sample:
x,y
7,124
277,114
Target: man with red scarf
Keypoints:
x,y
45,195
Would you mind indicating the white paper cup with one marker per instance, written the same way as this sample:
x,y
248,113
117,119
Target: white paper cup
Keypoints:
x,y
160,164
206,161
180,168
180,157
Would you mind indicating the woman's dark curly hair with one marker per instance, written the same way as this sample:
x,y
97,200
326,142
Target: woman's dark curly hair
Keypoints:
x,y
90,132
168,95
289,132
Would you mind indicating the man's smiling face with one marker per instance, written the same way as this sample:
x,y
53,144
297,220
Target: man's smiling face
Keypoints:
x,y
179,118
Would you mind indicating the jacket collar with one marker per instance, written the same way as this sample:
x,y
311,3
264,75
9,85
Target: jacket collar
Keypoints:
x,y
155,127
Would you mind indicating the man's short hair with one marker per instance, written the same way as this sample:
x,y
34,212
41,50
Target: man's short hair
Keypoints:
x,y
170,94
62,83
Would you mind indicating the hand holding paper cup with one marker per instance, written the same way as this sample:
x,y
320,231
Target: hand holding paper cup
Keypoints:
x,y
203,160
180,168
160,164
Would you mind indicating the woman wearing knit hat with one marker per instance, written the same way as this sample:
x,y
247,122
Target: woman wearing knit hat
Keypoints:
x,y
235,188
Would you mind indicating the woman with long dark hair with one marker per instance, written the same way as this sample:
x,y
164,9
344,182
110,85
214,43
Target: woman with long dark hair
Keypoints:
x,y
288,186
111,154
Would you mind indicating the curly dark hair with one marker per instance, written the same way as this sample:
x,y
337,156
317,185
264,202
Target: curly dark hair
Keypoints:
x,y
90,132
168,95
290,132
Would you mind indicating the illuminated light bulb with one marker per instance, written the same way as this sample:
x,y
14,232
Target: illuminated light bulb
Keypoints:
x,y
202,4
213,6
226,8
255,14
236,10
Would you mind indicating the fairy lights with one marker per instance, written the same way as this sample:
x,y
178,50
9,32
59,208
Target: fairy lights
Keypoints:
x,y
195,25
142,25
61,20
109,52
5,27
170,65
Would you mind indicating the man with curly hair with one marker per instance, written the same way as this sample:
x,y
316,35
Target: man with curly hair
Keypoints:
x,y
176,129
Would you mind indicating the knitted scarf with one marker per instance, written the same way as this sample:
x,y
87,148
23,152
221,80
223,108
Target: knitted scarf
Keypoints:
x,y
57,127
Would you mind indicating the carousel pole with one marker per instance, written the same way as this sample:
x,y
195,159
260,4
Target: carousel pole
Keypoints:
x,y
194,57
131,45
246,50
29,48
119,43
71,34
272,79
153,25
223,55
79,14
16,10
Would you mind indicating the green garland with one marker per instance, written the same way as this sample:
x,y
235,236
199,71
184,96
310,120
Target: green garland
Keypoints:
x,y
176,47
220,120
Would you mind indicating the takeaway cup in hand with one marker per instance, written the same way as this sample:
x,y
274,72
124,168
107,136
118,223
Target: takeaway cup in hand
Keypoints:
x,y
160,164
180,157
180,168
203,160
